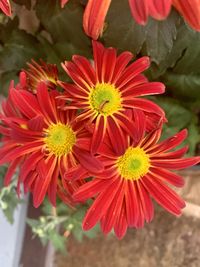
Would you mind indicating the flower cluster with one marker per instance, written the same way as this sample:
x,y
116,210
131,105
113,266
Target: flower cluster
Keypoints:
x,y
96,11
97,139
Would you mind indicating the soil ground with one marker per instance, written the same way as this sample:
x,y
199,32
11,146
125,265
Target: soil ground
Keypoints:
x,y
166,242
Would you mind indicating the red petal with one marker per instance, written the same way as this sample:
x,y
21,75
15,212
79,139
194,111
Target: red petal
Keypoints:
x,y
43,180
159,9
77,76
108,65
140,125
99,133
87,71
30,164
88,161
20,151
25,102
11,171
139,10
5,7
190,11
117,138
133,70
145,201
94,16
91,189
168,176
63,3
52,189
176,164
145,105
121,223
83,143
37,123
171,155
169,143
98,51
72,89
121,62
46,104
100,205
150,88
132,207
126,124
76,173
167,198
109,219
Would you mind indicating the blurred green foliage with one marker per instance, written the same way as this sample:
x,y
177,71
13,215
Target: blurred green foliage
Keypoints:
x,y
8,197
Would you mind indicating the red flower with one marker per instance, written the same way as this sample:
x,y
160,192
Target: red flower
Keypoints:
x,y
190,9
43,141
5,7
106,90
142,170
37,73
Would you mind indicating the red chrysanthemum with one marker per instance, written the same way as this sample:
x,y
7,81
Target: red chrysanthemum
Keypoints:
x,y
142,170
106,90
37,73
5,7
43,141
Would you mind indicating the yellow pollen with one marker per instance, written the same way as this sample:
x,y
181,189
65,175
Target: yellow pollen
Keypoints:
x,y
59,139
105,99
24,126
133,164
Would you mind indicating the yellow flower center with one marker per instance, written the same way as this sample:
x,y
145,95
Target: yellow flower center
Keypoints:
x,y
105,99
133,164
59,139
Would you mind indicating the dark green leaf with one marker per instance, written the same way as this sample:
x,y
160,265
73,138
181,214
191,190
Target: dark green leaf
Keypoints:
x,y
186,86
18,49
64,25
121,30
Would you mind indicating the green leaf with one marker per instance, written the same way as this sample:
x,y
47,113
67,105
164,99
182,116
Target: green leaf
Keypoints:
x,y
8,197
121,30
186,86
179,118
6,77
193,137
160,37
7,29
190,63
179,46
64,25
58,241
18,49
